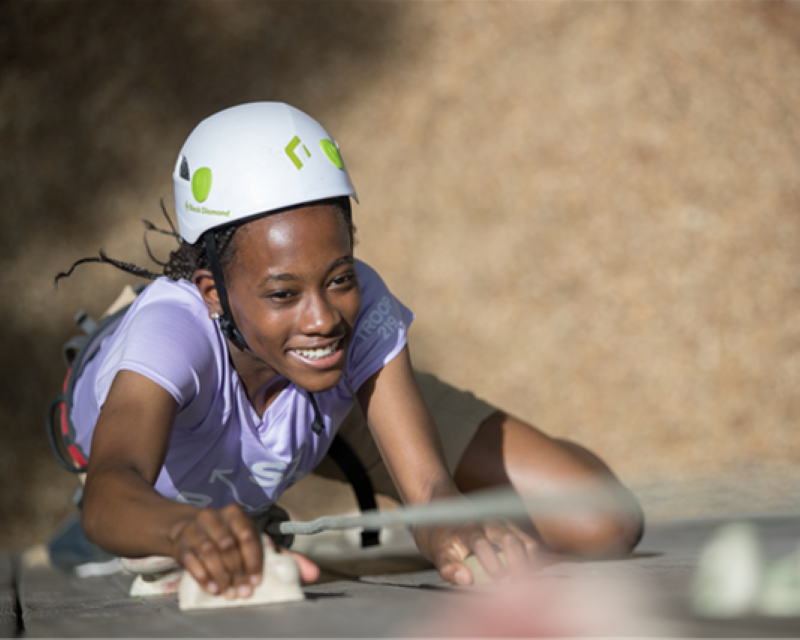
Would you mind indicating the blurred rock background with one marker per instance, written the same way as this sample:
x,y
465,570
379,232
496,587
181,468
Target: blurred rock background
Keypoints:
x,y
593,207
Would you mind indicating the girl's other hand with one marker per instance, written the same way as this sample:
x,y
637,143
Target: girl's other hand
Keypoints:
x,y
450,546
309,572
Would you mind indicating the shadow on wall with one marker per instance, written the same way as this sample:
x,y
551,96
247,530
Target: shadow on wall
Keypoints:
x,y
95,101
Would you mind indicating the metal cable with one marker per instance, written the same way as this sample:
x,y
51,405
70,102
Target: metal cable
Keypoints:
x,y
503,503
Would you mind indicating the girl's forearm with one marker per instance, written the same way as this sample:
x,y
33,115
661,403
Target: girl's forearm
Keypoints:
x,y
124,515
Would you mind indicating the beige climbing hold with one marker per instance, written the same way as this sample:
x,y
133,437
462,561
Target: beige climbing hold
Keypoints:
x,y
479,575
280,583
155,575
157,584
150,565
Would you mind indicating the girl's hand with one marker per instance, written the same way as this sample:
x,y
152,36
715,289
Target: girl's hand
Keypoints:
x,y
448,547
224,553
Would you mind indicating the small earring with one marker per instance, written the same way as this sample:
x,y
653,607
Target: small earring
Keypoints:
x,y
215,316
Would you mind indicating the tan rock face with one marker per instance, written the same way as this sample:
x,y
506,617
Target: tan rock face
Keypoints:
x,y
592,208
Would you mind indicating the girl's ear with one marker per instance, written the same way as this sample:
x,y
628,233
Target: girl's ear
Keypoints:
x,y
204,281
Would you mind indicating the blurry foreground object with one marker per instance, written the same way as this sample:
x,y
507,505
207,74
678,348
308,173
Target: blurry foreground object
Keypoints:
x,y
735,578
503,502
537,606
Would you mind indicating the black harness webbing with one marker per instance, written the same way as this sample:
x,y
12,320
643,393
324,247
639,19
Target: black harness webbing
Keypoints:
x,y
353,469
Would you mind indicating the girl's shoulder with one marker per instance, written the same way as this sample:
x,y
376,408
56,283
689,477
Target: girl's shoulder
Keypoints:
x,y
176,293
380,330
166,336
175,303
167,318
369,280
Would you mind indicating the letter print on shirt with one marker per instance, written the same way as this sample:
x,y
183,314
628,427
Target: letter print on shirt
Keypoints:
x,y
199,500
270,474
380,319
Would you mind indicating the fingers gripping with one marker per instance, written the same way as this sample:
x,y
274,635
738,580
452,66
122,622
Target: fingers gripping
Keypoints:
x,y
485,541
519,549
450,546
222,551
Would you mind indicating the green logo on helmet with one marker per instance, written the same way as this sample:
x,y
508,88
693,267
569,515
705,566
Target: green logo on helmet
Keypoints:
x,y
332,153
201,184
295,142
330,150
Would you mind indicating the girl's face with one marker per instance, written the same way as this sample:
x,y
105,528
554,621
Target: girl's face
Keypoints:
x,y
294,294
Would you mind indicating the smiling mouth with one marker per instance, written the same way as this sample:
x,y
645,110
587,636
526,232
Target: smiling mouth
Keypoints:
x,y
318,354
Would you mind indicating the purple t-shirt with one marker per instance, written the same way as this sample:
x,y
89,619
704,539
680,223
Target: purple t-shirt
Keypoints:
x,y
221,451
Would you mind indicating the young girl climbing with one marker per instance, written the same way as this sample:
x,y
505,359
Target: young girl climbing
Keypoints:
x,y
230,375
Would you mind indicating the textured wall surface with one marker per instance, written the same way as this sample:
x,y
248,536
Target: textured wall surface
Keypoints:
x,y
593,208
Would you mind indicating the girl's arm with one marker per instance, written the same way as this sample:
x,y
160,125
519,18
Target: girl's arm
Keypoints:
x,y
408,441
123,513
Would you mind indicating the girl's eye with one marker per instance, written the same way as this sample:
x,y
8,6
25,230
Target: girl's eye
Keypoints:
x,y
280,296
342,279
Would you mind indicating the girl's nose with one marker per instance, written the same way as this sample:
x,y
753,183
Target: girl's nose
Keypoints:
x,y
319,316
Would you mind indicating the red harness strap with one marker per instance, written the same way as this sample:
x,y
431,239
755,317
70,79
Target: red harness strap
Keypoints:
x,y
72,448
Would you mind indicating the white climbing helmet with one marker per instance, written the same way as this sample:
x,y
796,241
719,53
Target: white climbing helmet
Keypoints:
x,y
251,159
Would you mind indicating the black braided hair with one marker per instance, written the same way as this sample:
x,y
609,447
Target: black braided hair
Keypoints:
x,y
188,258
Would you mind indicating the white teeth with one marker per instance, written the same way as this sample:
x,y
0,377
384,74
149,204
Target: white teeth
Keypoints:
x,y
316,354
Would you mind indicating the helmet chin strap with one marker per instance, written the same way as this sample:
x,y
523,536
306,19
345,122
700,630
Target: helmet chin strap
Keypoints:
x,y
226,323
228,326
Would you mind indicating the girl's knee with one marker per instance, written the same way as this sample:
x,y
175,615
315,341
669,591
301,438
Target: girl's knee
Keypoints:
x,y
606,535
